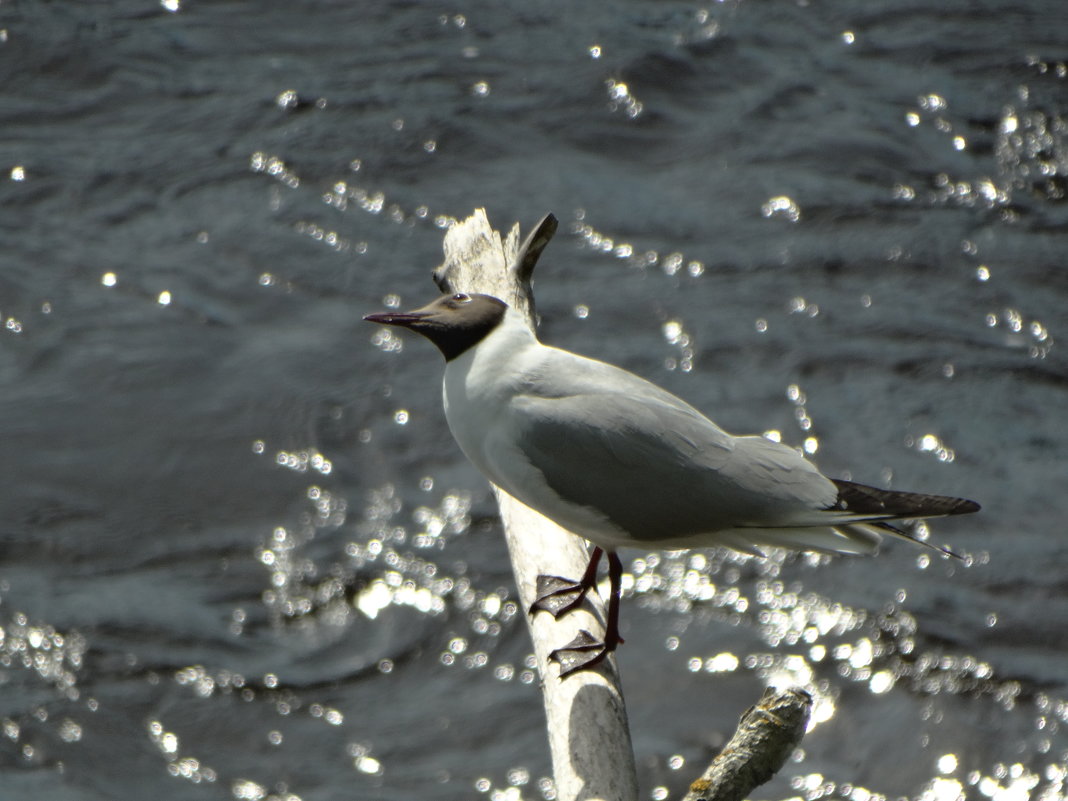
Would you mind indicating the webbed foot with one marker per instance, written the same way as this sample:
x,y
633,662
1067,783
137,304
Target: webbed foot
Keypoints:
x,y
582,653
557,595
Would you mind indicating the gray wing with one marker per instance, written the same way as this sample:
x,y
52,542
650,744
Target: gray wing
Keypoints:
x,y
659,469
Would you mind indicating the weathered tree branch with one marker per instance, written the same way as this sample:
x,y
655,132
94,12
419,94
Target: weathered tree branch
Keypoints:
x,y
766,736
588,734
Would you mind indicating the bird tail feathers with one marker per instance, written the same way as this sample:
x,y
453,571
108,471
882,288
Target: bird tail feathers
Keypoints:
x,y
850,539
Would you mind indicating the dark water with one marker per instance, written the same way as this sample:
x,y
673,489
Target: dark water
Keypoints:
x,y
241,556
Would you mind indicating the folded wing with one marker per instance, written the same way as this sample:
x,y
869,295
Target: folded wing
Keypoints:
x,y
662,471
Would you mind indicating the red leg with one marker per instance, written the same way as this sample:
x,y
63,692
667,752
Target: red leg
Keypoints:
x,y
615,581
585,652
557,595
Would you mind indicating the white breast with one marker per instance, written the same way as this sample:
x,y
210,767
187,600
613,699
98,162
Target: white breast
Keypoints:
x,y
479,386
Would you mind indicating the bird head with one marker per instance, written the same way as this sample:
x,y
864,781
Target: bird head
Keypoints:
x,y
452,322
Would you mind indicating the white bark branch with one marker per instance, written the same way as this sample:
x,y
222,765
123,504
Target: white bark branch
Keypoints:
x,y
589,738
588,735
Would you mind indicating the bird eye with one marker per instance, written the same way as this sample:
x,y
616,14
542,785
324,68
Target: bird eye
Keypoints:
x,y
460,297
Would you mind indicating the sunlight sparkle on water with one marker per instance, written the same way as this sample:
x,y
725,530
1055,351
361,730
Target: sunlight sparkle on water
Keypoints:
x,y
1020,334
603,243
196,677
70,731
621,99
725,662
304,460
799,305
947,763
246,790
932,102
387,341
930,443
1014,783
881,682
676,335
673,331
799,400
942,789
275,167
367,764
781,206
53,656
289,99
180,767
165,740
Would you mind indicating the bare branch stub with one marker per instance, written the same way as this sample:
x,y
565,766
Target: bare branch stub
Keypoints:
x,y
473,263
766,736
529,253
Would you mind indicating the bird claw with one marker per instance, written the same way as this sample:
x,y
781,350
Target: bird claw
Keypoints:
x,y
582,653
557,595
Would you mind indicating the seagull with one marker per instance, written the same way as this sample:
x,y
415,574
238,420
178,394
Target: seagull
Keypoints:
x,y
623,462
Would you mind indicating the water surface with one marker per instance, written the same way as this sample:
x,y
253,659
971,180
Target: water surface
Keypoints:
x,y
242,556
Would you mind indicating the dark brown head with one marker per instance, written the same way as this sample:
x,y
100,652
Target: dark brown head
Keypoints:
x,y
452,322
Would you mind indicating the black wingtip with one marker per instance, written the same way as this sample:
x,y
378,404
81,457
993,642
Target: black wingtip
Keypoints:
x,y
862,499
